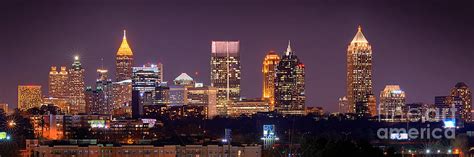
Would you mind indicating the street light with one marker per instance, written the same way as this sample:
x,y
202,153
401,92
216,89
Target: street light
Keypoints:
x,y
11,124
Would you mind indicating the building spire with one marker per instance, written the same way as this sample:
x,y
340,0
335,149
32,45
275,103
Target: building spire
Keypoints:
x,y
288,50
125,34
124,49
359,37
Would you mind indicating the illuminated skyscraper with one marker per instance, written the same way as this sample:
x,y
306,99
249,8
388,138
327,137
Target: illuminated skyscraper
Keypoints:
x,y
124,60
290,84
145,79
343,105
204,96
359,74
95,103
122,89
462,91
269,64
392,102
122,93
99,98
77,87
29,96
372,104
225,73
58,83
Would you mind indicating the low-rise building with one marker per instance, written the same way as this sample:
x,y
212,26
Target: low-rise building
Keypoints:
x,y
97,150
248,107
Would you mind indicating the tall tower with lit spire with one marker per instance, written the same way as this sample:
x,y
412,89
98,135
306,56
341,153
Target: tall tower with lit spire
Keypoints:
x,y
268,70
124,60
359,74
122,89
290,84
77,87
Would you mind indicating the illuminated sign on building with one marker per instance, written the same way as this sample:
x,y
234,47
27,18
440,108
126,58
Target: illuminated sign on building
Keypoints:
x,y
269,131
269,136
151,122
399,136
97,123
449,123
4,136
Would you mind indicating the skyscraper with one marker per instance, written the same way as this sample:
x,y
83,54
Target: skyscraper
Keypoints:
x,y
58,82
462,91
204,96
29,96
225,73
77,87
392,102
445,104
343,105
124,60
95,103
359,74
99,98
122,93
290,84
145,79
122,89
269,64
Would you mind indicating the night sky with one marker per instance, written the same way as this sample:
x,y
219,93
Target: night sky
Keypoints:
x,y
424,46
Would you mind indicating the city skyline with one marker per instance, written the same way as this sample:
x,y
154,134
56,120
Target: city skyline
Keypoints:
x,y
323,86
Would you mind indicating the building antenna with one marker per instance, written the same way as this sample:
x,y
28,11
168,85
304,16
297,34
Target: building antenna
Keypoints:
x,y
102,63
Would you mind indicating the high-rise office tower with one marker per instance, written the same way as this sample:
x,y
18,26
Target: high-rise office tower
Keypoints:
x,y
372,104
106,85
145,79
445,105
392,102
99,99
77,87
95,102
160,72
203,96
29,96
178,91
124,60
122,89
58,82
122,93
343,106
359,74
290,84
462,91
269,64
225,73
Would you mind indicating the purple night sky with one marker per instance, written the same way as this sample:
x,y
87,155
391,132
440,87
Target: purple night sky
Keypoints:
x,y
424,47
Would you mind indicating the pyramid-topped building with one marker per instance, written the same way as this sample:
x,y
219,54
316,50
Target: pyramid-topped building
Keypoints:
x,y
124,60
359,37
359,76
124,49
